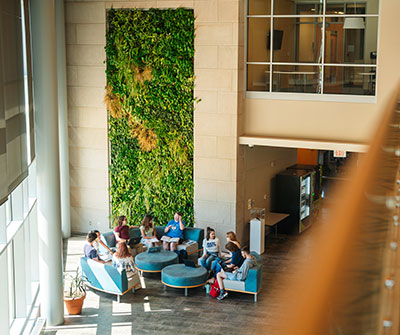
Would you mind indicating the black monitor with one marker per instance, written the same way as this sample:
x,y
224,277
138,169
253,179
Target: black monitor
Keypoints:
x,y
277,40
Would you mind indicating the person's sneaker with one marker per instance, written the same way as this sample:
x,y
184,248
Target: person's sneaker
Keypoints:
x,y
222,295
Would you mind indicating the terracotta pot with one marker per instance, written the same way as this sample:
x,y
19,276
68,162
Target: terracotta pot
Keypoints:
x,y
74,306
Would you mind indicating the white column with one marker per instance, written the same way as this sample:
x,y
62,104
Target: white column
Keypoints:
x,y
47,160
63,119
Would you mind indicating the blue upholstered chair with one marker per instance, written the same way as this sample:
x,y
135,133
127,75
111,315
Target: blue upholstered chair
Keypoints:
x,y
104,277
253,282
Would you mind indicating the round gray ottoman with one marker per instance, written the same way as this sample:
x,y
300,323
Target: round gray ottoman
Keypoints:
x,y
155,261
182,276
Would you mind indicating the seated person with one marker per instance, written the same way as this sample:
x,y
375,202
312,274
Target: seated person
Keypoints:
x,y
123,260
100,241
121,231
231,237
233,263
226,257
174,229
148,232
211,249
89,250
238,274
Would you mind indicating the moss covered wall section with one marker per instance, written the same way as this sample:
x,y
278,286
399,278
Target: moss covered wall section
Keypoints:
x,y
150,101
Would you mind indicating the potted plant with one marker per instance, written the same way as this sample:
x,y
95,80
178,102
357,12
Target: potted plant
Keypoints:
x,y
74,292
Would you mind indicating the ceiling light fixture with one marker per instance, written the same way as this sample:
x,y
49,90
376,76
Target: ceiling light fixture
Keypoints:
x,y
354,23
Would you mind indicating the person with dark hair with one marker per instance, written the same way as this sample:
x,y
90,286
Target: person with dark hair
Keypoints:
x,y
233,263
238,274
122,259
148,231
211,249
121,232
174,230
89,250
100,243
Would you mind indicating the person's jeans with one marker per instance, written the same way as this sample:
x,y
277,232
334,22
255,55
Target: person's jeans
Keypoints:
x,y
206,262
217,266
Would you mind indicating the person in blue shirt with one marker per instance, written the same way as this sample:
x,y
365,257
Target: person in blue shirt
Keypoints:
x,y
174,229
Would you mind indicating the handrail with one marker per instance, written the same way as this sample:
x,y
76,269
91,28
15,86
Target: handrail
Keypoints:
x,y
347,285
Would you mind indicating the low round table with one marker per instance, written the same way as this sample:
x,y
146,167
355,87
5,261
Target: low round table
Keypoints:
x,y
182,276
155,261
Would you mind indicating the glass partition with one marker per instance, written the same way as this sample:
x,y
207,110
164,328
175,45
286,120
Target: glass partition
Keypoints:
x,y
353,7
259,7
290,7
258,40
349,80
257,77
351,45
297,40
295,78
308,37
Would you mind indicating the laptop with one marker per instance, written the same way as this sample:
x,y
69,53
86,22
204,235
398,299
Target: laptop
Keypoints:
x,y
154,249
190,263
135,240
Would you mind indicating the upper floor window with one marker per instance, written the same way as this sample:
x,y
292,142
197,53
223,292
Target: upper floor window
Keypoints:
x,y
324,47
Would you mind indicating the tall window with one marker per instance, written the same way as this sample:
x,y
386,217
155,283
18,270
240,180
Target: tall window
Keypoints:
x,y
317,47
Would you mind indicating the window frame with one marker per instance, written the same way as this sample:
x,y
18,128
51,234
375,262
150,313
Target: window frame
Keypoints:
x,y
322,96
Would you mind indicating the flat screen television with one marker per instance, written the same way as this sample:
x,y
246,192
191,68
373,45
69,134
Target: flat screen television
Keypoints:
x,y
277,40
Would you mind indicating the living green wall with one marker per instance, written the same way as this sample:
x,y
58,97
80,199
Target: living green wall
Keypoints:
x,y
150,101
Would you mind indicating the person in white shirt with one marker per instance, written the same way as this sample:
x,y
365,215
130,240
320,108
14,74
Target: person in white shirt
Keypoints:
x,y
211,249
123,260
148,231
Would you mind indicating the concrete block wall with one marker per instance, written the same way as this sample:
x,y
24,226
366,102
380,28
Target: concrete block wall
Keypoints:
x,y
217,84
217,46
87,116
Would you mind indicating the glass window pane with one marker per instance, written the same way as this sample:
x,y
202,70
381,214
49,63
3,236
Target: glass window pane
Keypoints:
x,y
334,8
297,40
259,7
351,44
349,80
309,9
284,7
352,7
11,291
258,77
258,40
8,211
334,40
295,78
290,7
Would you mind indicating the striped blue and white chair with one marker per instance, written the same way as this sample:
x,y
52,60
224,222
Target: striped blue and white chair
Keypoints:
x,y
104,277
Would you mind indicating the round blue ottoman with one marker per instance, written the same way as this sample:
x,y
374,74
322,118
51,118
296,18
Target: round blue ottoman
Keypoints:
x,y
182,276
155,261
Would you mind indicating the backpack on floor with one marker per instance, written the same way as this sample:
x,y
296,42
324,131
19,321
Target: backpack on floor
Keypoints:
x,y
214,290
182,254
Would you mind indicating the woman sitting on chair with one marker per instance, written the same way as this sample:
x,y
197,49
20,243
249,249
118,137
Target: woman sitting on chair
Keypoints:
x,y
123,260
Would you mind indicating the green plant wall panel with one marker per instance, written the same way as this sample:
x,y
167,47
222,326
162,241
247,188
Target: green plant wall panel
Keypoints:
x,y
150,101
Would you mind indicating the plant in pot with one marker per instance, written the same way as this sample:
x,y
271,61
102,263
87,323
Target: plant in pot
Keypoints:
x,y
74,292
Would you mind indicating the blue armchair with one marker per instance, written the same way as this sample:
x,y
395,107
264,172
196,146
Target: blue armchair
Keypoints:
x,y
253,282
106,278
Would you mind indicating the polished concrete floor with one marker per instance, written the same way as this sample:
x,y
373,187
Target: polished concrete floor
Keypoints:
x,y
153,310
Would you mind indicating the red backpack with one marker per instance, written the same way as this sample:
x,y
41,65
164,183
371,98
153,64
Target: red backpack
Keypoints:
x,y
214,290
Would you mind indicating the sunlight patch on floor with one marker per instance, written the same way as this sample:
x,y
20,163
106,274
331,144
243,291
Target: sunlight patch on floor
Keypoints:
x,y
121,307
122,328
